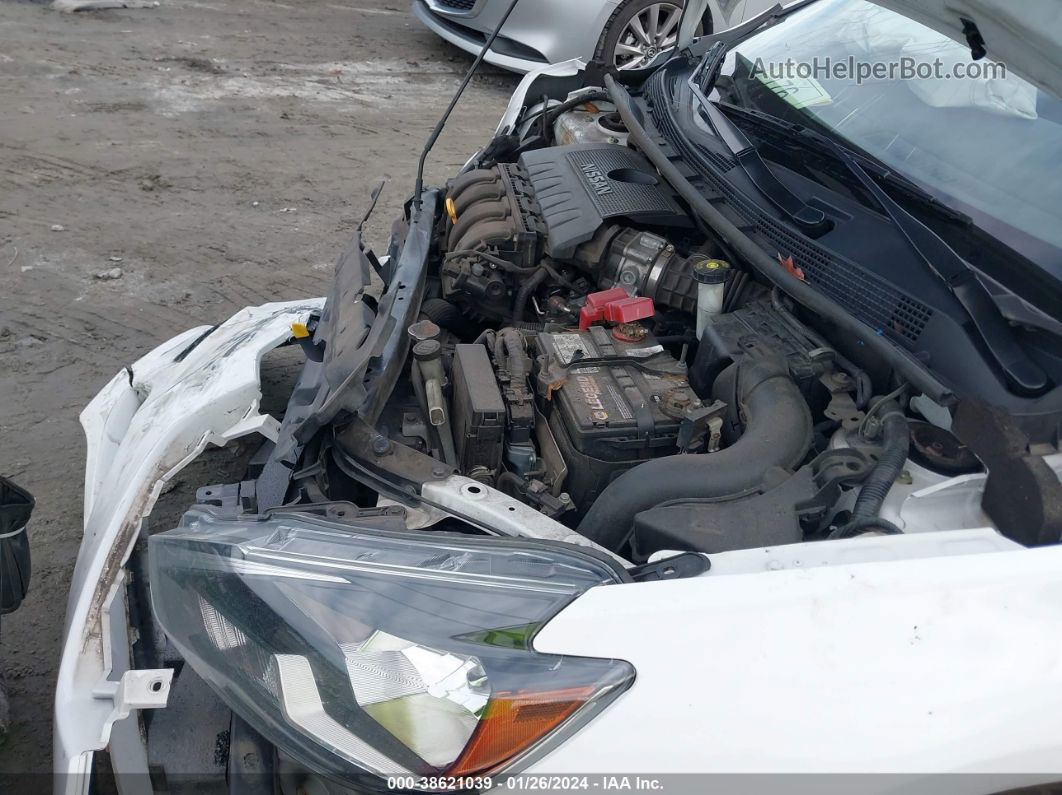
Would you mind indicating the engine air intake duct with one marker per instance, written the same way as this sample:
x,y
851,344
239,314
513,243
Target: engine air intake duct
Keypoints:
x,y
778,434
642,262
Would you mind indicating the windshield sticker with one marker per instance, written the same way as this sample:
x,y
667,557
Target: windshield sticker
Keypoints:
x,y
800,92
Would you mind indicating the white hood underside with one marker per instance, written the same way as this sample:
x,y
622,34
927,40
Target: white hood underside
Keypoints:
x,y
1025,35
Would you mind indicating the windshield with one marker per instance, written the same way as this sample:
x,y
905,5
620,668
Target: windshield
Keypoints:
x,y
980,138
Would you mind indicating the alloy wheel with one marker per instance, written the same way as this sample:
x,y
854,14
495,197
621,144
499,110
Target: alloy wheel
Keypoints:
x,y
647,33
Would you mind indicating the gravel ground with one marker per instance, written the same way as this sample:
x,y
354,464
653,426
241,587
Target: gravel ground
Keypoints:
x,y
160,168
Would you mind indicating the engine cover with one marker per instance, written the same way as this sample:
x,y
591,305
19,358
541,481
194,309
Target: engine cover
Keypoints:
x,y
580,187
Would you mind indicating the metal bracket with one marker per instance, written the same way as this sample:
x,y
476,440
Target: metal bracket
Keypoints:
x,y
684,564
841,406
476,502
147,689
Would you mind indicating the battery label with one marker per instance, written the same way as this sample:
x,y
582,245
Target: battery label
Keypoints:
x,y
570,347
644,353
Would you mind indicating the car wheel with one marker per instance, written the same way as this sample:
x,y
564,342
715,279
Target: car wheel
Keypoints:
x,y
637,31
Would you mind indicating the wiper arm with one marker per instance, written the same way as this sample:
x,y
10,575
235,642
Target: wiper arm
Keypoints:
x,y
702,80
737,33
753,253
934,251
808,138
950,268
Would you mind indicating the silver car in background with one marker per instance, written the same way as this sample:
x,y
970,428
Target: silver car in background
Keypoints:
x,y
625,34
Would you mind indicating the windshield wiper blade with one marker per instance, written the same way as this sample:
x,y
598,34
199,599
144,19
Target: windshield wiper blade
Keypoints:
x,y
950,268
743,30
801,214
808,138
939,257
933,250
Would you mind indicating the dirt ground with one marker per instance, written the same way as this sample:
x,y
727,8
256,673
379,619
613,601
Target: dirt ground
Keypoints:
x,y
160,168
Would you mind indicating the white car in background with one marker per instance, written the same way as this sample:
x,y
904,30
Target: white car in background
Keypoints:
x,y
625,34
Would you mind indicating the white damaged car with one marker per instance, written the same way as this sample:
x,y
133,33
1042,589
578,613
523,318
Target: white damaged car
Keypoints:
x,y
706,422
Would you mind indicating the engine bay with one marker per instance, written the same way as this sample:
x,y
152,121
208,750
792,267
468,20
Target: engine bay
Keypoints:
x,y
585,347
561,336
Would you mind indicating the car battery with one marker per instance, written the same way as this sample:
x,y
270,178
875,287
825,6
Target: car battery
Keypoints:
x,y
621,408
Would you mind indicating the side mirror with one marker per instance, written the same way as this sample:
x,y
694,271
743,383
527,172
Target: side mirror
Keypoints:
x,y
16,505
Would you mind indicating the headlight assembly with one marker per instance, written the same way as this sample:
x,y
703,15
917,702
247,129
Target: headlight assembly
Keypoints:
x,y
371,653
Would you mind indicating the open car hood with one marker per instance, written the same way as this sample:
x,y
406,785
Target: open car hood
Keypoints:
x,y
1026,35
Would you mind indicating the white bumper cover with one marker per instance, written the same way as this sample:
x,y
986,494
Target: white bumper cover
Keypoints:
x,y
143,428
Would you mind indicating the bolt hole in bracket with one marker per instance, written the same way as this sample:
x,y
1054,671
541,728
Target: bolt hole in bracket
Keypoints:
x,y
146,689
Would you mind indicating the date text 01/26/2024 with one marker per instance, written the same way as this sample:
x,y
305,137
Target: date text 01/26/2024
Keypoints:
x,y
539,783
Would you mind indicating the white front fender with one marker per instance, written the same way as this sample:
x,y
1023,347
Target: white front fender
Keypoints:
x,y
151,420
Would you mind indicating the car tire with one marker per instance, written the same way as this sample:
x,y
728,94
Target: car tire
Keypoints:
x,y
629,30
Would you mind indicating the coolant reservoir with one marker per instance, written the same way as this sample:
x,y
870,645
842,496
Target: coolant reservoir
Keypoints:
x,y
589,127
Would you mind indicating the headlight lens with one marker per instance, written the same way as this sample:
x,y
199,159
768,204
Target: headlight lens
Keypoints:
x,y
365,652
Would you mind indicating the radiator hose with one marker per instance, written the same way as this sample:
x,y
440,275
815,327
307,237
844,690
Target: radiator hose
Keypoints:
x,y
778,433
529,286
442,313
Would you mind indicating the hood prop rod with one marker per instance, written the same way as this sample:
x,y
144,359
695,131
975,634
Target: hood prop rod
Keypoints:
x,y
418,189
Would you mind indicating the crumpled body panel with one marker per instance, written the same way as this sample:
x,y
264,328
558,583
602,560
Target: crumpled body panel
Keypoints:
x,y
152,419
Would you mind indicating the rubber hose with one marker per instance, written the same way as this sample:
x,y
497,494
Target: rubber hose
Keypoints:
x,y
895,447
501,360
777,434
511,484
486,337
442,313
516,359
871,524
553,112
529,286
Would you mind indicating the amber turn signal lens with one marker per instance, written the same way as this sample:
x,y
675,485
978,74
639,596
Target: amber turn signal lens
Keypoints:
x,y
513,722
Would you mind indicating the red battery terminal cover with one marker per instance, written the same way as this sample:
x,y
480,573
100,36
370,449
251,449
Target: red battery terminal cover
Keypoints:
x,y
615,306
